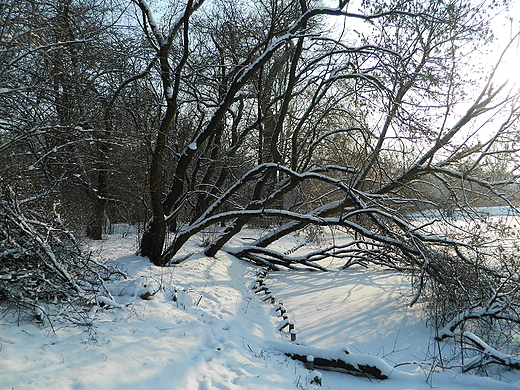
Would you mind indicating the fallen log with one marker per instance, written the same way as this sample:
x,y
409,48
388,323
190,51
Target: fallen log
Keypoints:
x,y
340,360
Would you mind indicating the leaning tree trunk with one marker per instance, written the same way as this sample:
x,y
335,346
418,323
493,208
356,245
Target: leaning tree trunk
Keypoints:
x,y
152,242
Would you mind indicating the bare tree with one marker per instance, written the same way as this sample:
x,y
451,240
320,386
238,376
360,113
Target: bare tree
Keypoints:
x,y
357,136
65,72
300,89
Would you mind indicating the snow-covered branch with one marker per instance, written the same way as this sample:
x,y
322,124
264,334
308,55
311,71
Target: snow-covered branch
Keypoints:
x,y
488,355
41,261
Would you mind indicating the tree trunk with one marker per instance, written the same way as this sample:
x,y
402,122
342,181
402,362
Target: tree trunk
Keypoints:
x,y
95,226
152,242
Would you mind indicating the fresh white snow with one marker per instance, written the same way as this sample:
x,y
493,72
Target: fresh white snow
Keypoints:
x,y
205,328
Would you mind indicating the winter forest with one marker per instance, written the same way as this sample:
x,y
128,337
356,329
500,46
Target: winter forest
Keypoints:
x,y
227,194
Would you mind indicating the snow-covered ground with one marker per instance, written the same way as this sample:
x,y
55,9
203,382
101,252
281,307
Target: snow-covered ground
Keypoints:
x,y
205,328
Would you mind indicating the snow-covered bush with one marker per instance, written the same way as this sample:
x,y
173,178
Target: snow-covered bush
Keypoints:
x,y
476,304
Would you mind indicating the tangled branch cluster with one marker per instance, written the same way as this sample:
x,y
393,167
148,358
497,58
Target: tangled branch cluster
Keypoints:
x,y
41,262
